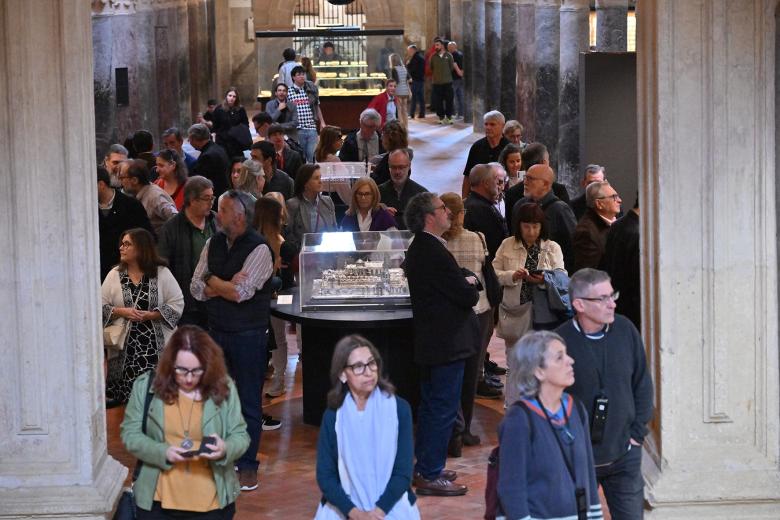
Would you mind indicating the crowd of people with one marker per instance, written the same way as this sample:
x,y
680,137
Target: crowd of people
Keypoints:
x,y
196,237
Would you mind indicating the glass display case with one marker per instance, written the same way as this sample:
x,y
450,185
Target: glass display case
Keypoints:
x,y
360,270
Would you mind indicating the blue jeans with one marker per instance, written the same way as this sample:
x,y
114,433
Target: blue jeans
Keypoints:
x,y
440,391
307,137
246,358
623,485
457,92
418,98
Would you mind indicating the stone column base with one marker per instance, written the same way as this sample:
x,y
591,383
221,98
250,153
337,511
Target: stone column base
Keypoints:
x,y
92,501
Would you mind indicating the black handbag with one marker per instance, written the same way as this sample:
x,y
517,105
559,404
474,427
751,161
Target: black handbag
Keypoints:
x,y
493,289
126,508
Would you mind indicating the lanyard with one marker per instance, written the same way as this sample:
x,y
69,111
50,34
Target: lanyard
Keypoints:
x,y
599,372
569,463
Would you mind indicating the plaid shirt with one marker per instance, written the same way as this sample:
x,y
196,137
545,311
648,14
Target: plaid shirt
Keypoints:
x,y
300,98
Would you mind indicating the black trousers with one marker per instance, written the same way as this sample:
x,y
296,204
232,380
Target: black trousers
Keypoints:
x,y
158,513
442,98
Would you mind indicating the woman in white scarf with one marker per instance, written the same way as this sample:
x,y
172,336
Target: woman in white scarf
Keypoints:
x,y
365,448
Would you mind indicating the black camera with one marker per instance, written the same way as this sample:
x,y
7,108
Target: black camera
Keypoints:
x,y
599,415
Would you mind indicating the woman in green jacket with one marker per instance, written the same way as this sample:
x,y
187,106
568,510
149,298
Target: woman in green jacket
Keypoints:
x,y
194,432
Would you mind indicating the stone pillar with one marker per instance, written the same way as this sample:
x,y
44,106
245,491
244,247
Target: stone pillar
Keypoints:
x,y
547,33
493,37
467,47
443,19
526,69
54,461
710,305
508,105
611,25
574,40
479,90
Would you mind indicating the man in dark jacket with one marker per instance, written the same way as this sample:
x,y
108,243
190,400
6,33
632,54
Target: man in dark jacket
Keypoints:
x,y
621,261
117,213
590,235
366,142
593,173
445,335
487,149
612,380
182,239
398,191
415,66
559,220
213,162
287,159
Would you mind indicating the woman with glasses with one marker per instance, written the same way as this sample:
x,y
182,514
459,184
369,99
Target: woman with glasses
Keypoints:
x,y
365,213
143,292
519,262
364,451
194,432
545,456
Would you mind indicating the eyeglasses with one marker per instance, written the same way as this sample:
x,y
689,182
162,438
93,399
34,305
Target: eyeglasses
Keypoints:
x,y
182,371
125,244
207,198
398,168
359,368
602,299
363,194
443,206
614,197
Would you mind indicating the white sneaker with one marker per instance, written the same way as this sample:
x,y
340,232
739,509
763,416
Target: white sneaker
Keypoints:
x,y
277,387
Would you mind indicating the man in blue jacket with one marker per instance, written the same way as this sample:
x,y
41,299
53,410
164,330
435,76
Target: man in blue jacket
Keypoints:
x,y
446,333
612,380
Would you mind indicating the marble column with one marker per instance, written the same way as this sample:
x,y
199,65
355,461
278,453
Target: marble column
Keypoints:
x,y
526,69
493,37
574,40
467,47
508,105
710,306
54,462
479,91
547,36
611,25
443,19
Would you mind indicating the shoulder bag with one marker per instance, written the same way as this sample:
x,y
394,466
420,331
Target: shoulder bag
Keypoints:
x,y
115,333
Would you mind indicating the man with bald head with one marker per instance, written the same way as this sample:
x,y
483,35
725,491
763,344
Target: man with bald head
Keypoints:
x,y
559,218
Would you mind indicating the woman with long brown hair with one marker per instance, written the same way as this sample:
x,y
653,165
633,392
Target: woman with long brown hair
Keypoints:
x,y
328,145
231,124
142,291
171,175
195,414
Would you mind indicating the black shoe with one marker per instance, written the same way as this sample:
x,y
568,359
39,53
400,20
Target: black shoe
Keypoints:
x,y
493,368
455,447
486,391
469,439
494,382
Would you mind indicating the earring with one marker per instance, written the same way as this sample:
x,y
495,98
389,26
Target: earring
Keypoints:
x,y
343,379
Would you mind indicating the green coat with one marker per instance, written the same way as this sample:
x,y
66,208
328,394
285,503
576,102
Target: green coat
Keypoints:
x,y
224,420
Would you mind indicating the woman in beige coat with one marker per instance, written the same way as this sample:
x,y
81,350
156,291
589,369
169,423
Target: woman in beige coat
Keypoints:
x,y
519,263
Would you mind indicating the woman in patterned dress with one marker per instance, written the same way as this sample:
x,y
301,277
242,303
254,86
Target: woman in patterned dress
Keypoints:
x,y
143,291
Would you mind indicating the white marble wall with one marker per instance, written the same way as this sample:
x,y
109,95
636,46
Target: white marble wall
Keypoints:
x,y
706,99
53,444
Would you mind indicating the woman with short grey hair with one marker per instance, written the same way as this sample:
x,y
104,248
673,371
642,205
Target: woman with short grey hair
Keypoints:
x,y
545,437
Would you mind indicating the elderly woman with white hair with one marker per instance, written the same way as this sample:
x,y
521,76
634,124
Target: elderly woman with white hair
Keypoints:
x,y
546,468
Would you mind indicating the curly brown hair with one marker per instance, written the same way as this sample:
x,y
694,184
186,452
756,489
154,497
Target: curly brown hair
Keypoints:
x,y
214,381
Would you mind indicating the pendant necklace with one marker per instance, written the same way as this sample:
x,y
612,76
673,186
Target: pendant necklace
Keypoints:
x,y
187,443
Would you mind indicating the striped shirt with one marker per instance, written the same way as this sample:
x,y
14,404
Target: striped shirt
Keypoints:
x,y
300,99
258,267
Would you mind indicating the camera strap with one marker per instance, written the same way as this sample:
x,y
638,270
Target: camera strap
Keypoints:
x,y
599,371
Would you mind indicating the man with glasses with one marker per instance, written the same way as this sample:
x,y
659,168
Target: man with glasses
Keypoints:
x,y
398,191
366,142
446,333
593,173
590,235
183,238
612,380
233,278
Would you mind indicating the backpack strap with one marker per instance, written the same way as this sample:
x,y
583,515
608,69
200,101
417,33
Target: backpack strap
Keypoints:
x,y
148,396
